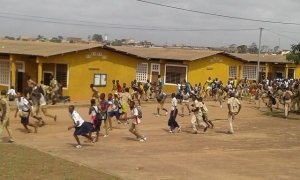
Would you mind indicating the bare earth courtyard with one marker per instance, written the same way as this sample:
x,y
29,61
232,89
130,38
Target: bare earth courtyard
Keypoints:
x,y
263,146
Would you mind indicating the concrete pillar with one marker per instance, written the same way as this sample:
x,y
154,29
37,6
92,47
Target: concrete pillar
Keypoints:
x,y
286,71
40,70
13,71
267,70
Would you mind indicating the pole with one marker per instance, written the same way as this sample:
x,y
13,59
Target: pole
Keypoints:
x,y
258,59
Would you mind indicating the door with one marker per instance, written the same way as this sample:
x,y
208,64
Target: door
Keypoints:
x,y
46,77
279,74
19,81
291,73
154,77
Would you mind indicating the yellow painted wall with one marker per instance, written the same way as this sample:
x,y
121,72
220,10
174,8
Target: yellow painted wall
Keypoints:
x,y
116,66
200,70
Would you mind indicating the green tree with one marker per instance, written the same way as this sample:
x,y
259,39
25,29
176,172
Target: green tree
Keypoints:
x,y
60,37
9,37
294,55
242,49
97,37
40,37
56,40
117,43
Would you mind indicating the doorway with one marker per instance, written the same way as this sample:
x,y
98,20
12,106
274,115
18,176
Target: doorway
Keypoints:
x,y
291,73
154,77
279,74
21,81
46,77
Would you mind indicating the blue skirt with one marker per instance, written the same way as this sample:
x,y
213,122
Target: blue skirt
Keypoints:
x,y
84,129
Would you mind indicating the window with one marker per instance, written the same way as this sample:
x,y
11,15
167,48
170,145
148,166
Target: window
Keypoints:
x,y
100,79
62,74
249,72
262,69
4,72
232,71
155,67
174,74
141,72
20,66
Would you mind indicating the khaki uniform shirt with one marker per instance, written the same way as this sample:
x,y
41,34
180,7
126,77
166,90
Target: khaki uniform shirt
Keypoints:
x,y
4,103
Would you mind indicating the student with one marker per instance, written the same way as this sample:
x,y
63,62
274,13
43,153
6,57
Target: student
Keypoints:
x,y
93,110
95,94
287,98
81,127
185,102
11,94
44,109
103,111
195,121
114,88
205,113
125,99
234,107
4,116
113,109
135,122
161,97
23,109
146,88
174,111
119,87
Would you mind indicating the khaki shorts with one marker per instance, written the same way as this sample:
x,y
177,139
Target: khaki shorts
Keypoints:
x,y
161,105
205,116
185,103
136,95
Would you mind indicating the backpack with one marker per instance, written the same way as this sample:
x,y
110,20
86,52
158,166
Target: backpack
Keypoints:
x,y
234,105
287,96
98,119
140,113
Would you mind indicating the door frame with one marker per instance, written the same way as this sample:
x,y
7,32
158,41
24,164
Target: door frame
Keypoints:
x,y
50,72
154,70
294,72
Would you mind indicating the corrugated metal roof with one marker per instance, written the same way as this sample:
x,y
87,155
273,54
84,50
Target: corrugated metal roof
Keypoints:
x,y
41,48
263,58
164,53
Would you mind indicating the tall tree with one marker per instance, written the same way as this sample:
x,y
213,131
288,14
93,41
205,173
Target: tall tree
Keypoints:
x,y
97,37
242,49
294,55
60,37
56,40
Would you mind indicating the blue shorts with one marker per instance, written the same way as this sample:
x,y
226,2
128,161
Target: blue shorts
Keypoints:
x,y
114,113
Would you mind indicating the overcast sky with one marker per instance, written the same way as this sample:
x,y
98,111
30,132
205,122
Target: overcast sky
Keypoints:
x,y
131,13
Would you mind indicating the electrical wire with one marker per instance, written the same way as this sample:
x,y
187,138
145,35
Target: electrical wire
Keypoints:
x,y
120,26
297,40
219,15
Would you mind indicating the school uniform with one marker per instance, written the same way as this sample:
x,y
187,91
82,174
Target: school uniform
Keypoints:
x,y
83,127
287,103
172,120
232,102
197,117
24,110
135,124
5,120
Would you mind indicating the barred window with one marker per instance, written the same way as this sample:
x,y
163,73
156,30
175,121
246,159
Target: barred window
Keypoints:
x,y
249,72
4,72
62,74
175,74
141,72
262,69
232,71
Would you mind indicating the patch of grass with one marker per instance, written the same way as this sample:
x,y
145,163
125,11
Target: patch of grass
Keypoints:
x,y
268,113
19,162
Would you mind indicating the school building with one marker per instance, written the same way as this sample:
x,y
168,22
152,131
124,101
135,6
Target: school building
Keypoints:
x,y
77,66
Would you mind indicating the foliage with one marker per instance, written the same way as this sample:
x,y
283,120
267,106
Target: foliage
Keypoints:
x,y
253,49
97,37
242,49
9,37
117,43
56,40
294,55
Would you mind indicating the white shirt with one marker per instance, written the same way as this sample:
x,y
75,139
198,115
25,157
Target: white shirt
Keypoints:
x,y
186,97
93,112
11,92
135,113
77,118
23,104
178,86
196,105
173,104
42,100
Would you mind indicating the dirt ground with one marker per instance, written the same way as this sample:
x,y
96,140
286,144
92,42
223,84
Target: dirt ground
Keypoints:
x,y
264,146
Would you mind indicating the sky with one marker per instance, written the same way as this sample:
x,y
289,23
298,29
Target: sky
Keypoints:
x,y
102,15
